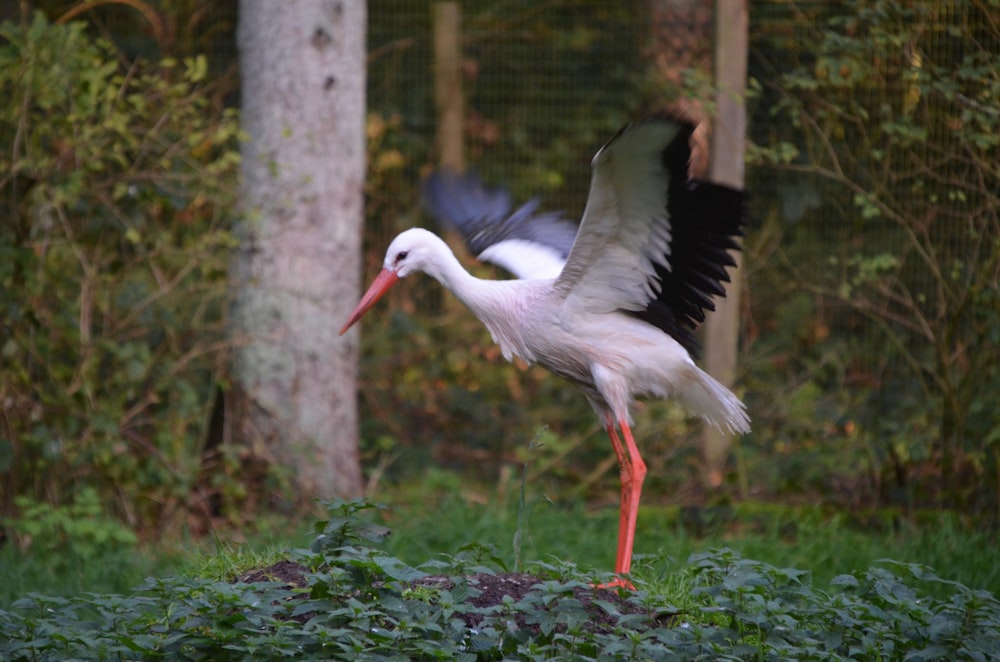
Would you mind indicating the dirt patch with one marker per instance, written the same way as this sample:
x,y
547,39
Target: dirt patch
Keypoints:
x,y
289,573
494,588
491,590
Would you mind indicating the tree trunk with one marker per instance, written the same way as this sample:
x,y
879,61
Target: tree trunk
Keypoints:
x,y
296,272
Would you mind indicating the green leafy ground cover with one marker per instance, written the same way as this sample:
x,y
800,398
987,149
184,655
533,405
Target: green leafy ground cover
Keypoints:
x,y
351,599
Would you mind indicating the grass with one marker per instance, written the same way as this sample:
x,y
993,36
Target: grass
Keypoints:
x,y
823,542
427,524
64,573
72,567
226,559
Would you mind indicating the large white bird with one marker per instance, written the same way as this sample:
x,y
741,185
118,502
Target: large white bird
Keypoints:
x,y
610,305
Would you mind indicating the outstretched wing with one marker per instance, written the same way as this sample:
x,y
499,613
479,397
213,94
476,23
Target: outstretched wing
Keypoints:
x,y
652,242
527,243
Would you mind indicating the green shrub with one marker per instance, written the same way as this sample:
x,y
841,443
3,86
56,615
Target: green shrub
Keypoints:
x,y
117,179
886,142
77,532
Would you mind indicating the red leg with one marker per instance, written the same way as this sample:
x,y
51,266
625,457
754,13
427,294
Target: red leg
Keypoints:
x,y
633,472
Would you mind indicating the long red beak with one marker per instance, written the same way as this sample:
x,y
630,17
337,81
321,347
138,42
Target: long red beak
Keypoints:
x,y
386,279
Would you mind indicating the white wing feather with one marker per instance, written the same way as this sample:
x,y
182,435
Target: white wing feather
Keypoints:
x,y
625,229
525,258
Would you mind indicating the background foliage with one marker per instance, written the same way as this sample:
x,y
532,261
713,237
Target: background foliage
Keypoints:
x,y
897,296
117,181
870,347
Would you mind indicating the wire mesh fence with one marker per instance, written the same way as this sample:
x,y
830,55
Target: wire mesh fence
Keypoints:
x,y
851,229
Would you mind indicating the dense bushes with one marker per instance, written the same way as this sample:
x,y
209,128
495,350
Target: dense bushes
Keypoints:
x,y
889,128
117,178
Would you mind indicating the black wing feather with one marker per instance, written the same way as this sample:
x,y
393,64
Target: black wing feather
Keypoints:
x,y
705,221
483,217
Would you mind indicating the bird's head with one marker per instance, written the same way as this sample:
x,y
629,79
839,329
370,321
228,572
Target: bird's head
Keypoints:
x,y
410,251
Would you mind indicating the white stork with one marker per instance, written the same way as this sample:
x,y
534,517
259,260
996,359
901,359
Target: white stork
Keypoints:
x,y
611,305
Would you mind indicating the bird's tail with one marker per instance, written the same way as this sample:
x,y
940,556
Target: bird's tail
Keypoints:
x,y
706,397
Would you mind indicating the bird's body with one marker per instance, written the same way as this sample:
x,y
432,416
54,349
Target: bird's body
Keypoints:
x,y
614,357
610,307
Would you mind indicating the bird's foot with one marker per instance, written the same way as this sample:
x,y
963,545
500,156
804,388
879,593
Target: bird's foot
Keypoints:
x,y
619,582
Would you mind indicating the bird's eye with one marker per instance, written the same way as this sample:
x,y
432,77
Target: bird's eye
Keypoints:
x,y
401,255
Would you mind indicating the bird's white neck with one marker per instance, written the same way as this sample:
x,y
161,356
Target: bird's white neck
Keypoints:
x,y
494,302
483,297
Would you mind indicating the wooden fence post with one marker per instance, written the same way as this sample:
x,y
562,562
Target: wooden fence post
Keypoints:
x,y
726,167
447,22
